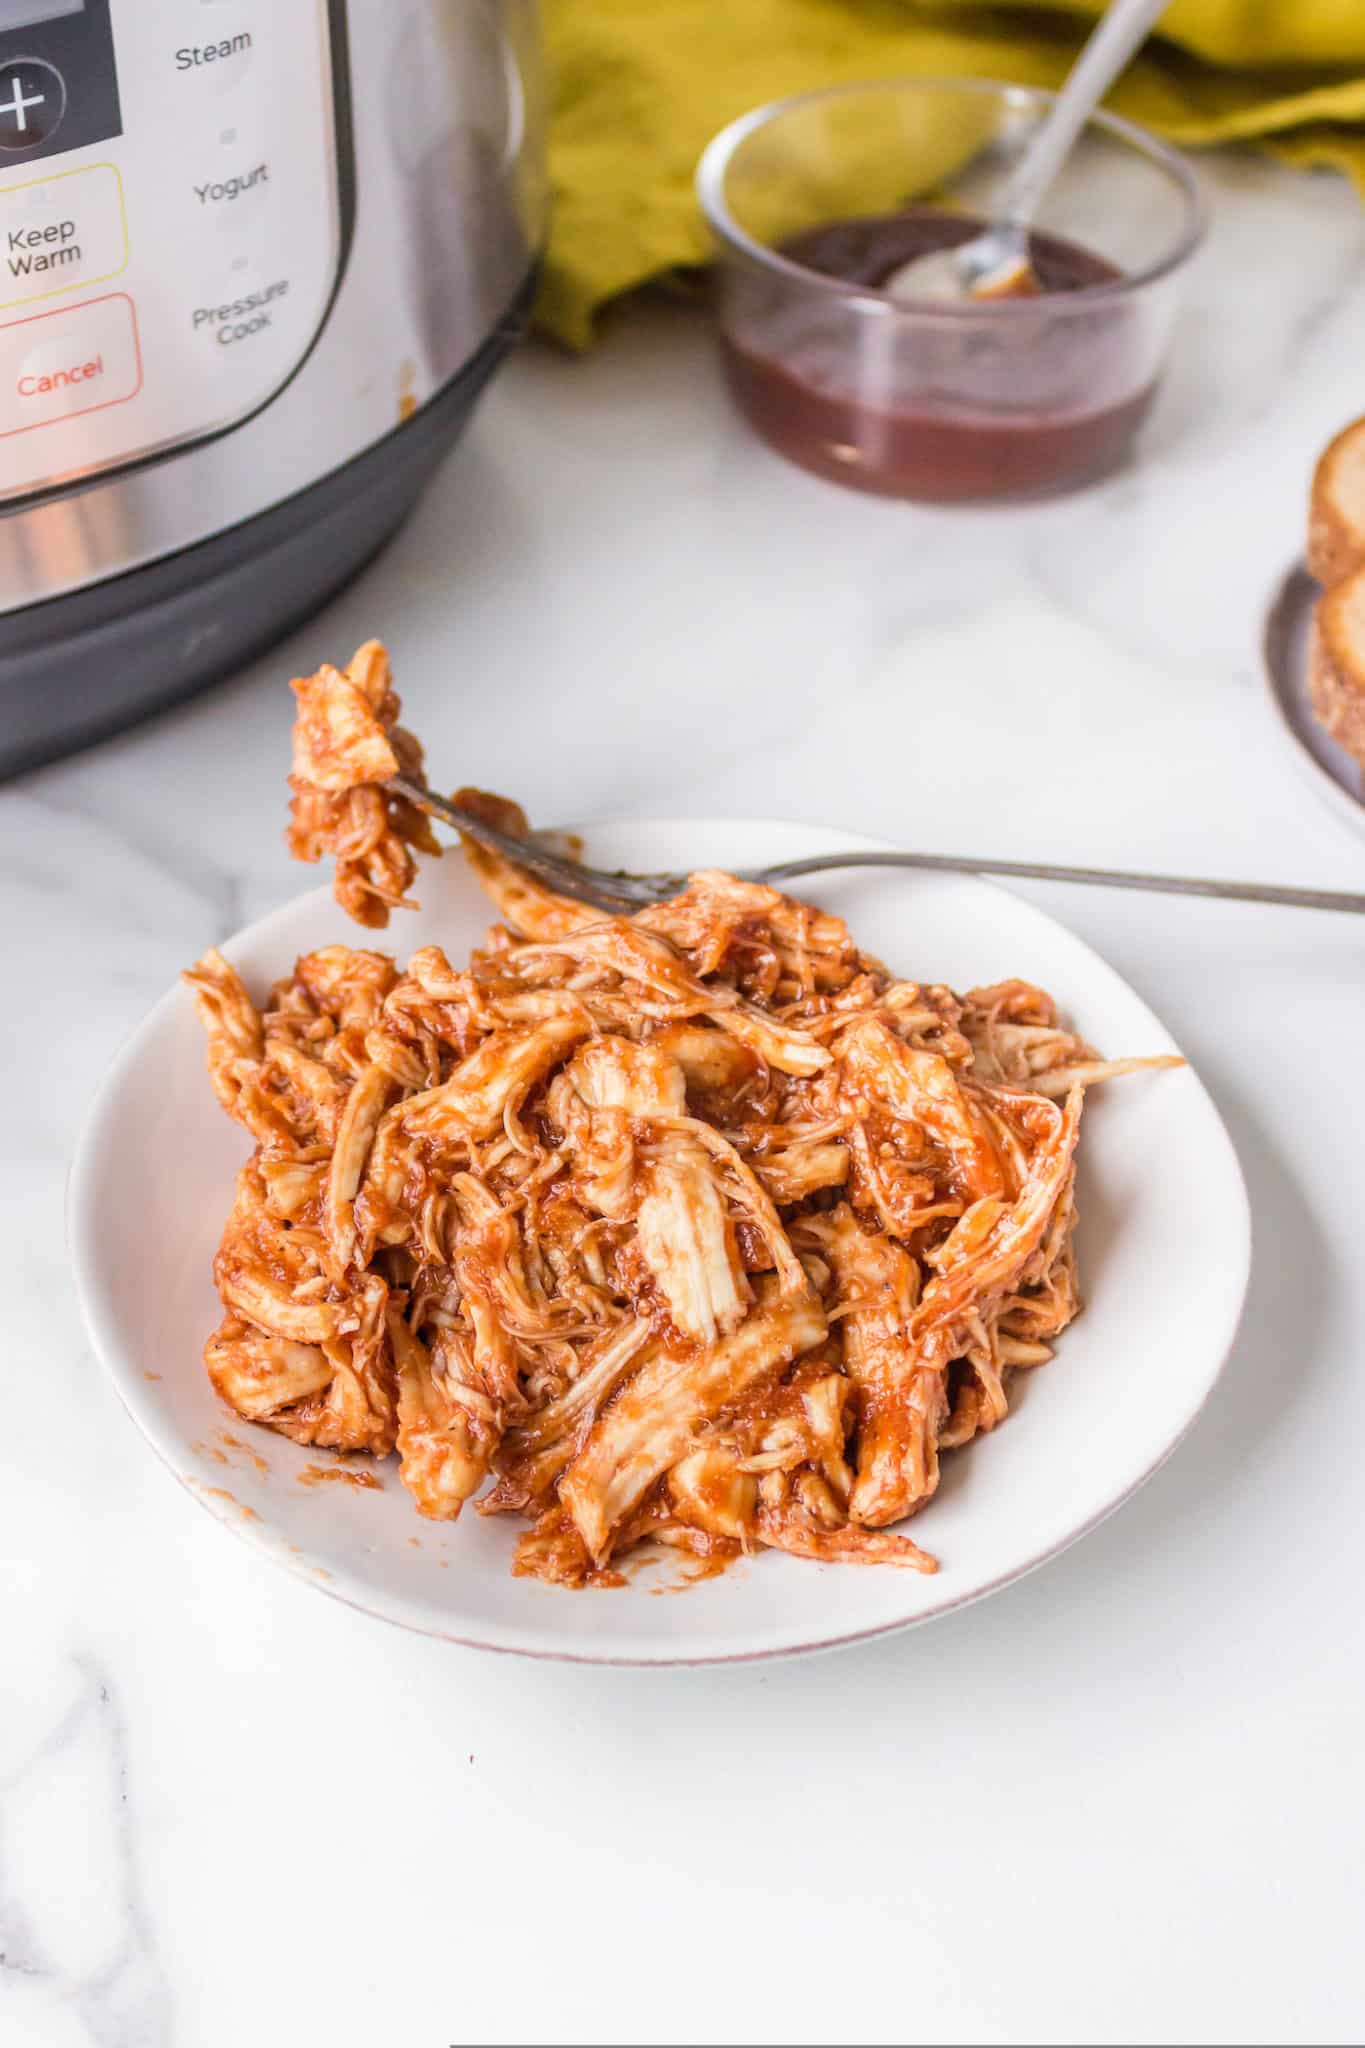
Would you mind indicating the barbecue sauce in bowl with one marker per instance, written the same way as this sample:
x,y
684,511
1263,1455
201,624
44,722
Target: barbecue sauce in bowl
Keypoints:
x,y
1002,399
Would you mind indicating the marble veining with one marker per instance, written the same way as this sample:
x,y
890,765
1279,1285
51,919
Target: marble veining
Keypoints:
x,y
79,1944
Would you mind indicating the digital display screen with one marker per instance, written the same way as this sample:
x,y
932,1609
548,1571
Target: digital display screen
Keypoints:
x,y
25,13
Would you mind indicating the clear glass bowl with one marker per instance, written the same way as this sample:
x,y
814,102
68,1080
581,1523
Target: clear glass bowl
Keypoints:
x,y
940,402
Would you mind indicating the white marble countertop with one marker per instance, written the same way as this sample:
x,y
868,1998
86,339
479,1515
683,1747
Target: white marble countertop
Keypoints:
x,y
1121,1801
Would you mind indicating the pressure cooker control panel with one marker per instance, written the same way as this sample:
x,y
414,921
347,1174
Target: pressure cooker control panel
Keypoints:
x,y
170,221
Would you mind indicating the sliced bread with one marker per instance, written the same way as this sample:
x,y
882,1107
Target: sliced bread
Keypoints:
x,y
1336,514
1336,663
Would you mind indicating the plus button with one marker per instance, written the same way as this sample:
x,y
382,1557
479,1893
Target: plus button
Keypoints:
x,y
32,102
17,108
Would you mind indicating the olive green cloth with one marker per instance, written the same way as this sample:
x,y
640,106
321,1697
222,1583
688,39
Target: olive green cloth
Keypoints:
x,y
638,87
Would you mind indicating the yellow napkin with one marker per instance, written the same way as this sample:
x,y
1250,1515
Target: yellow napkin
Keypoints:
x,y
638,87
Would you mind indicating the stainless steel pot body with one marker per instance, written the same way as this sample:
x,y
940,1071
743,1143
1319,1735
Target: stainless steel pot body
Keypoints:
x,y
246,246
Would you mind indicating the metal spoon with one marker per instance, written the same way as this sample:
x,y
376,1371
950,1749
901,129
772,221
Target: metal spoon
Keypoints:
x,y
995,263
622,893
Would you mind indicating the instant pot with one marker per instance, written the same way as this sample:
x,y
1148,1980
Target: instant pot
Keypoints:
x,y
257,260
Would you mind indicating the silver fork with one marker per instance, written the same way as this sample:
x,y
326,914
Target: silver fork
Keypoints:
x,y
623,893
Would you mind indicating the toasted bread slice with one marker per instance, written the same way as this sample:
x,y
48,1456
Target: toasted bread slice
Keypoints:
x,y
1336,512
1336,664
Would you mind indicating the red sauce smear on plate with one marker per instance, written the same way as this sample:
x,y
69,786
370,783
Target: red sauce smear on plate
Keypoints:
x,y
339,1475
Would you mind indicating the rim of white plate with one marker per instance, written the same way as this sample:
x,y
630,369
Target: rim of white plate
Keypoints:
x,y
126,1373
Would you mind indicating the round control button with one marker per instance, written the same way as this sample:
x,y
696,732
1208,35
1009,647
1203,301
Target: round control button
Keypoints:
x,y
32,102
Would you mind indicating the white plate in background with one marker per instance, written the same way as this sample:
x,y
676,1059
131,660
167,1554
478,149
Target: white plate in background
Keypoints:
x,y
1334,775
1164,1248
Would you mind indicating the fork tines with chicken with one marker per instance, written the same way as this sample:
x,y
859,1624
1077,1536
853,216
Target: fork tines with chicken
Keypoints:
x,y
698,1226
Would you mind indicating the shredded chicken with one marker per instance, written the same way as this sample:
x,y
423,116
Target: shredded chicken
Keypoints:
x,y
698,1227
347,742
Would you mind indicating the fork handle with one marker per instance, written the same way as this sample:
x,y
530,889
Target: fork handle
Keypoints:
x,y
621,894
1040,871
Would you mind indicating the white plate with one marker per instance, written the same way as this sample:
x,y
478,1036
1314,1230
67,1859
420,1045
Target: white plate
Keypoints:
x,y
1332,773
1164,1247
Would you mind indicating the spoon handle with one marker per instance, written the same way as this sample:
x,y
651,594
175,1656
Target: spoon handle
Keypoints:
x,y
1117,34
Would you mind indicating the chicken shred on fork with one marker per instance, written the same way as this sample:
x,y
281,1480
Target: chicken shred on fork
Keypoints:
x,y
697,1227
